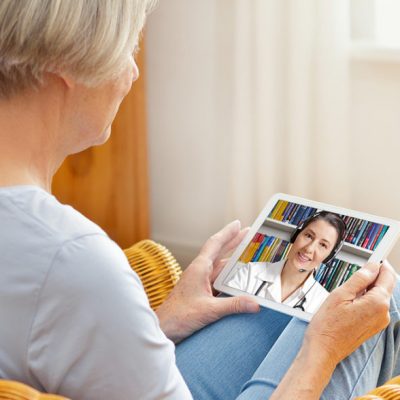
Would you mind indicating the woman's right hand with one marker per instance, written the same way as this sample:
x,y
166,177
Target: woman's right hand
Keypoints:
x,y
352,313
349,316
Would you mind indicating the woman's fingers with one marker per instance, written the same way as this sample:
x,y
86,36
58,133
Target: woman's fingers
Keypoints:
x,y
234,242
221,262
227,249
386,280
218,267
360,305
234,305
212,249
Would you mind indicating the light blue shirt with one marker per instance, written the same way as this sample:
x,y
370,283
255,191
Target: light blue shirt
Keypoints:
x,y
74,318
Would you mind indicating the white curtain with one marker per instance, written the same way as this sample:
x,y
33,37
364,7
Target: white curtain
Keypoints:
x,y
289,102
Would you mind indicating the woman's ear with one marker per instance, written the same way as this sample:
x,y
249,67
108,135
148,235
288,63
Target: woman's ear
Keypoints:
x,y
62,80
67,80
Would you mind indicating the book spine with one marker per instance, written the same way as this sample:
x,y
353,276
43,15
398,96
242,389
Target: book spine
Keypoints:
x,y
350,230
280,253
264,254
343,268
293,212
336,275
384,230
279,215
260,249
360,226
357,223
371,235
251,248
367,231
325,276
309,211
257,246
270,250
320,272
287,249
274,250
244,255
331,275
375,238
299,215
275,209
346,220
275,256
354,268
345,275
287,211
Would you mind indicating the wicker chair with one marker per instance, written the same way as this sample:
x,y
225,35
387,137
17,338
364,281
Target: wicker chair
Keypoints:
x,y
389,391
159,272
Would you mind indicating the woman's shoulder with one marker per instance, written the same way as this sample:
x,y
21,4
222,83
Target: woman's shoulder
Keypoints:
x,y
36,210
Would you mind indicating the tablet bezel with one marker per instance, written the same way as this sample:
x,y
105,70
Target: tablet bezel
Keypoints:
x,y
380,253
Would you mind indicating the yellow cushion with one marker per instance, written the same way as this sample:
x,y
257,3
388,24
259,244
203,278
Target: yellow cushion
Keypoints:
x,y
389,391
11,390
156,267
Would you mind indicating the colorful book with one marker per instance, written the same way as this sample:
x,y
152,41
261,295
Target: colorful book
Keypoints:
x,y
287,211
299,215
260,248
279,214
367,231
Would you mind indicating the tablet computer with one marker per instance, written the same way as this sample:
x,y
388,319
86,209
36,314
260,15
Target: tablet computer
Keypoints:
x,y
298,251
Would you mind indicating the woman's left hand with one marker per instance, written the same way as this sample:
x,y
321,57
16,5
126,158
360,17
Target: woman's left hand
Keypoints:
x,y
192,304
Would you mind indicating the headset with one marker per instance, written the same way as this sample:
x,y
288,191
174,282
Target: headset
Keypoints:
x,y
339,243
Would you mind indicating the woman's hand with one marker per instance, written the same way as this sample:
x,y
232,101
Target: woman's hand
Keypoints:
x,y
359,306
192,305
350,315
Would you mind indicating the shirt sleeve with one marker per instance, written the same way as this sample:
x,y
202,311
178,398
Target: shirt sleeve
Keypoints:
x,y
94,335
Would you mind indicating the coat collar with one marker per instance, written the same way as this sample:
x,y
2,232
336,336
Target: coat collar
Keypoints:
x,y
270,273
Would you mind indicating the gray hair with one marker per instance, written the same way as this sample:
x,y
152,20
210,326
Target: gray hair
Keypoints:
x,y
88,39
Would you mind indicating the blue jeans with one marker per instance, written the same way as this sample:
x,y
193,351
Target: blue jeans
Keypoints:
x,y
246,356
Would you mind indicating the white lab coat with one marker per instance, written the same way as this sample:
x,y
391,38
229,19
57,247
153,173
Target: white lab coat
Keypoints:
x,y
250,276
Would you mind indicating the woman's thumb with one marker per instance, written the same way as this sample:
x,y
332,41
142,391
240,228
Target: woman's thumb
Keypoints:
x,y
235,305
363,278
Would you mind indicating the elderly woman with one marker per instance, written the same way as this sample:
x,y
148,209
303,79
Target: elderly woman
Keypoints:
x,y
74,317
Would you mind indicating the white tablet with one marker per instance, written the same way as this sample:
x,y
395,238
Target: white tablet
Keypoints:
x,y
299,250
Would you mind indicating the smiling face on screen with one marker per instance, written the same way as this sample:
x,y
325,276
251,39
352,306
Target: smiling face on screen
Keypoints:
x,y
312,246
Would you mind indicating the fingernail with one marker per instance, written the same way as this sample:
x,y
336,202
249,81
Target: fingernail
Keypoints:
x,y
250,306
236,222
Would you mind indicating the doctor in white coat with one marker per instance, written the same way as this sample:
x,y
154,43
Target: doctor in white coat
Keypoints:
x,y
291,281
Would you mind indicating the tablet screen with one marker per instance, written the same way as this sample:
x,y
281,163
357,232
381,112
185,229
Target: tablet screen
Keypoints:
x,y
298,251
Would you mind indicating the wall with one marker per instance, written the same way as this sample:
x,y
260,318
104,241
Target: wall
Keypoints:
x,y
187,158
189,103
375,133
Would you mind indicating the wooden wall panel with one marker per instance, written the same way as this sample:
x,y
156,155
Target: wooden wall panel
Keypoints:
x,y
109,183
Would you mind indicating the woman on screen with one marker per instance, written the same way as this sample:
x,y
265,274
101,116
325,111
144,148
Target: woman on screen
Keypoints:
x,y
291,281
